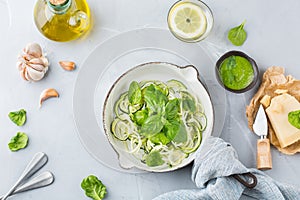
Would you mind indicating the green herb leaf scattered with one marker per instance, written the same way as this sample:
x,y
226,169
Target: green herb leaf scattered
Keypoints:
x,y
294,118
93,187
237,35
18,142
154,159
18,117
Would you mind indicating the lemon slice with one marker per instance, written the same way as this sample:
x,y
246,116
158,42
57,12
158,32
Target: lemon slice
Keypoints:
x,y
187,20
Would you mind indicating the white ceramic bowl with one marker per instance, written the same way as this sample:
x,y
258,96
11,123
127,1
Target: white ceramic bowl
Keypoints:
x,y
188,75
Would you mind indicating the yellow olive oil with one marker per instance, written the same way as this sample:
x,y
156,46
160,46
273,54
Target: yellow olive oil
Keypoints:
x,y
62,20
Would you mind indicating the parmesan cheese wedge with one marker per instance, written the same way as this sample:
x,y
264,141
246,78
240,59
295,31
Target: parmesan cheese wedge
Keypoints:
x,y
278,115
265,101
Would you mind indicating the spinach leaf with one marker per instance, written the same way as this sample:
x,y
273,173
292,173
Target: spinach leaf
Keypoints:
x,y
172,109
18,142
171,129
93,187
160,138
152,125
154,99
154,159
134,93
237,35
18,117
294,118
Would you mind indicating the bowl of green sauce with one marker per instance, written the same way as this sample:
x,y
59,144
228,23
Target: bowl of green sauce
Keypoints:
x,y
236,71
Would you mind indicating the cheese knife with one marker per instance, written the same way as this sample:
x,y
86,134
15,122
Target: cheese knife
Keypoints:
x,y
260,127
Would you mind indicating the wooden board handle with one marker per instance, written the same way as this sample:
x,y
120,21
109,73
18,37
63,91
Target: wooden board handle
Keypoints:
x,y
264,159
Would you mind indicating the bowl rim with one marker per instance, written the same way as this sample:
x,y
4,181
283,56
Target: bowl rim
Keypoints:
x,y
107,131
244,55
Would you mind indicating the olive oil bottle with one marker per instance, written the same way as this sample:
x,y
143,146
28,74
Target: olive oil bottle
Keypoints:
x,y
62,20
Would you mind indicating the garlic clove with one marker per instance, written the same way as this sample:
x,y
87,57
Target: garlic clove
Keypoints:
x,y
34,75
36,61
27,57
20,65
67,65
23,73
27,75
21,58
39,64
33,49
45,61
46,94
37,67
45,70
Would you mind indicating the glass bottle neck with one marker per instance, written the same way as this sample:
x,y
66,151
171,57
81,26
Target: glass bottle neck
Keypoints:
x,y
59,7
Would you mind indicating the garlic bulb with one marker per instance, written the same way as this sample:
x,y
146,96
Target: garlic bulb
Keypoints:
x,y
32,64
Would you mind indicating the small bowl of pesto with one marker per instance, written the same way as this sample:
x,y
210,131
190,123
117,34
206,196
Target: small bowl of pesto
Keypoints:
x,y
236,71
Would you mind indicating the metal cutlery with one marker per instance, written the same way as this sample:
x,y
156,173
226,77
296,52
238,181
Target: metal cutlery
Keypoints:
x,y
46,178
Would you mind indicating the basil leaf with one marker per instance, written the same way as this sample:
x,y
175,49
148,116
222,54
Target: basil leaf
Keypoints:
x,y
134,93
181,136
18,142
154,99
172,109
154,159
140,116
189,104
294,118
237,35
162,87
93,187
171,129
18,117
160,138
152,125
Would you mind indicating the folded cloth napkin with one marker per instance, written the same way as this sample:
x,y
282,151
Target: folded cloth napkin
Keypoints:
x,y
214,170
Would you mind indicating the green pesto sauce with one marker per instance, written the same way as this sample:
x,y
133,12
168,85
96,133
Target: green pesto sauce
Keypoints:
x,y
236,72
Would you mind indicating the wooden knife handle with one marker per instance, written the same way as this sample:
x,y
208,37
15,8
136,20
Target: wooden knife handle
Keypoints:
x,y
264,159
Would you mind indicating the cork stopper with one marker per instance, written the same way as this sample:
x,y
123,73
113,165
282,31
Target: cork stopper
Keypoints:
x,y
57,2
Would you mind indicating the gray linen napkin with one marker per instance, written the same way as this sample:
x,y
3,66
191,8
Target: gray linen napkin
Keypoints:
x,y
214,165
